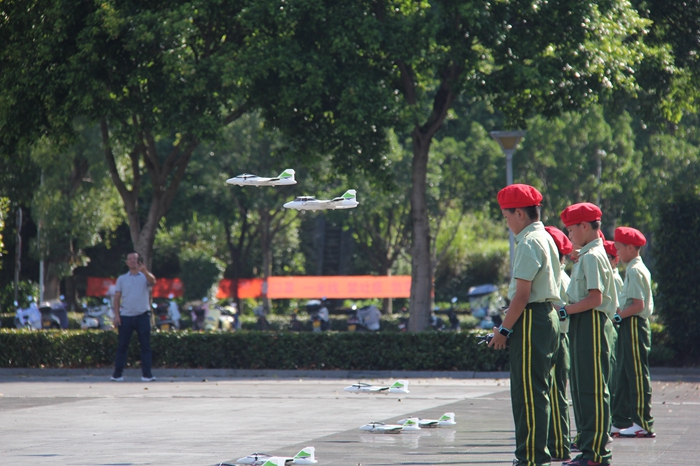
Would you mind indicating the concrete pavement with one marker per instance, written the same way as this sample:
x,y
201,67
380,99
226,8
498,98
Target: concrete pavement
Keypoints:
x,y
202,418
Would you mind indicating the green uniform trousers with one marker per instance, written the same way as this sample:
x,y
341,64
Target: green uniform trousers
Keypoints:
x,y
632,396
532,345
591,335
559,442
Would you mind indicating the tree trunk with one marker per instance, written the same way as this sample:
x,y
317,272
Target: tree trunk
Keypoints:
x,y
265,244
421,277
387,303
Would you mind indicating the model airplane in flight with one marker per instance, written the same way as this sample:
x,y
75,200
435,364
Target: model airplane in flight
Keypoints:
x,y
447,419
400,386
305,456
285,178
410,425
346,201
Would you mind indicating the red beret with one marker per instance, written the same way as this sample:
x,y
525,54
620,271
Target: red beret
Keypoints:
x,y
517,196
610,248
563,244
628,235
582,212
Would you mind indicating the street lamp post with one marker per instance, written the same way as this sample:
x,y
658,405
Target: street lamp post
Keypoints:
x,y
508,140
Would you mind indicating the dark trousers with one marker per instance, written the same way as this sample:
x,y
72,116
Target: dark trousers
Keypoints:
x,y
532,345
592,337
632,400
142,324
558,442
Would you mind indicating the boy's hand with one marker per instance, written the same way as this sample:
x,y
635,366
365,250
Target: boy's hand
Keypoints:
x,y
498,341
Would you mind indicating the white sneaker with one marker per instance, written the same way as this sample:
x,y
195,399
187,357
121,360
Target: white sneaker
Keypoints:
x,y
148,379
615,431
636,431
116,379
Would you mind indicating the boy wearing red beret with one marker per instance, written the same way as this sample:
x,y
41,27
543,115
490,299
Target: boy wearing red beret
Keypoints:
x,y
559,441
632,399
530,324
593,301
614,259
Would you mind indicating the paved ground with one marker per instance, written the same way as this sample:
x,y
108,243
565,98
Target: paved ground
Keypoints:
x,y
210,417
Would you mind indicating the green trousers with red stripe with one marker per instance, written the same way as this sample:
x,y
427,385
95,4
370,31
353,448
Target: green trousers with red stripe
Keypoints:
x,y
532,345
591,336
559,442
632,396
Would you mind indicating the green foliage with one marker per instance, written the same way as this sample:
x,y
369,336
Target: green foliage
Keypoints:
x,y
678,273
25,288
580,157
199,273
76,203
478,254
258,350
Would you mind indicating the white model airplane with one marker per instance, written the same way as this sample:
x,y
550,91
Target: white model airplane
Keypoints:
x,y
410,425
285,178
305,456
400,386
346,201
447,419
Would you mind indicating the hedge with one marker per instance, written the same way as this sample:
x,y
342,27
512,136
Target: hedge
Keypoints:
x,y
443,351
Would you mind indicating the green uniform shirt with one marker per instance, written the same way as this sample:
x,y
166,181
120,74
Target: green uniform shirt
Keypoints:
x,y
537,261
618,285
565,280
637,285
593,272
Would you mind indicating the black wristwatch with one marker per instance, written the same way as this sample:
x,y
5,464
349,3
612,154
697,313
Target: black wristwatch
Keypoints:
x,y
504,331
563,315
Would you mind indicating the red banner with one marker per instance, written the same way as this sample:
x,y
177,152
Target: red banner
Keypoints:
x,y
344,287
164,287
247,288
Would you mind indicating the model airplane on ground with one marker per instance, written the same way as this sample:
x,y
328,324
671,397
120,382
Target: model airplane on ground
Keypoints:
x,y
400,386
410,425
285,178
447,419
305,456
346,201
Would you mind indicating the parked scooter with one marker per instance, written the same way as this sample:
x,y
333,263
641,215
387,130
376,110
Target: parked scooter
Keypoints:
x,y
486,305
49,320
197,311
161,314
174,311
29,317
295,325
439,324
53,311
220,318
98,317
319,315
364,319
262,323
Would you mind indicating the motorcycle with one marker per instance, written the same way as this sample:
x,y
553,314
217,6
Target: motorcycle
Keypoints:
x,y
29,317
98,317
54,312
295,325
364,319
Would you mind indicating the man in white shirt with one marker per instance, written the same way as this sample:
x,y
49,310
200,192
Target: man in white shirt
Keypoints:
x,y
131,312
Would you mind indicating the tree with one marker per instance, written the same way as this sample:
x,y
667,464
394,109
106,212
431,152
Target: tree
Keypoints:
x,y
347,71
159,78
74,204
581,157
